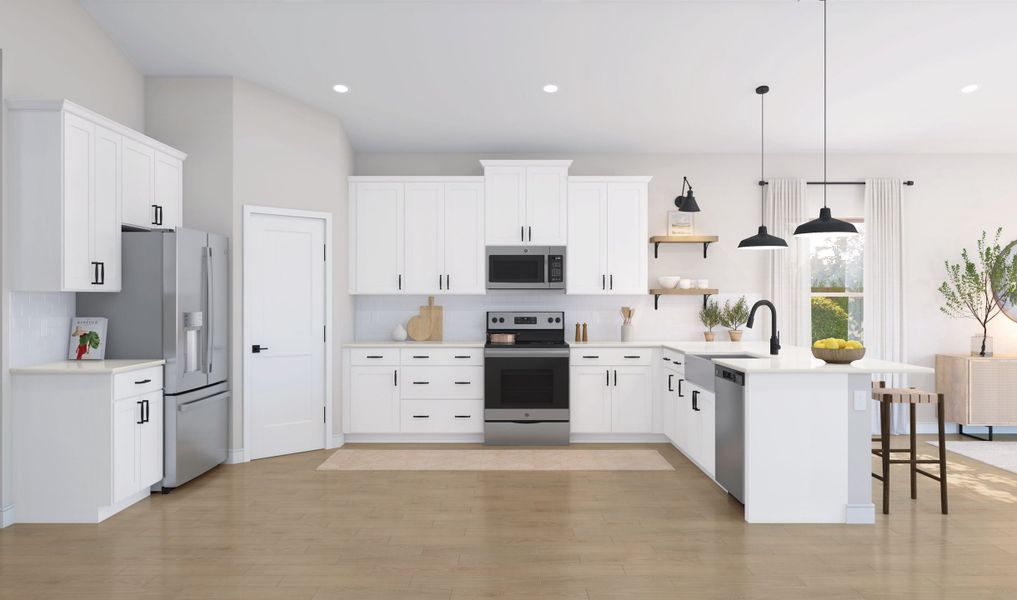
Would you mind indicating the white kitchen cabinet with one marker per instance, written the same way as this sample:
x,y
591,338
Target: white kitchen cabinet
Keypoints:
x,y
607,235
168,191
374,400
138,185
88,445
669,377
416,235
697,418
590,399
631,400
526,202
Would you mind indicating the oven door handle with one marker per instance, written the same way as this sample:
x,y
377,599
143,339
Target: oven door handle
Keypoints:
x,y
531,353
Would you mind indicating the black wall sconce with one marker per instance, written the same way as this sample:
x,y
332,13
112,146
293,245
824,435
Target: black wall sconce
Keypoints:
x,y
685,201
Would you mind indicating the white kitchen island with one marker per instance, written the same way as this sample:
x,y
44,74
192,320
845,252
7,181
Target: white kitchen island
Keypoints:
x,y
808,429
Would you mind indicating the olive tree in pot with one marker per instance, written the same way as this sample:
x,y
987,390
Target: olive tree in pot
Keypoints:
x,y
709,316
733,316
970,285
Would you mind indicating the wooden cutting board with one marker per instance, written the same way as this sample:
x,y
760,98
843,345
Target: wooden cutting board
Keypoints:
x,y
436,316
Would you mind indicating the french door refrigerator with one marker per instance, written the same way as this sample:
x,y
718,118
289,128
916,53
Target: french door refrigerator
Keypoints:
x,y
174,305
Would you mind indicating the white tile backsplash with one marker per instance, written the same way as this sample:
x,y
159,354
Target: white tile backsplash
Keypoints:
x,y
40,327
465,316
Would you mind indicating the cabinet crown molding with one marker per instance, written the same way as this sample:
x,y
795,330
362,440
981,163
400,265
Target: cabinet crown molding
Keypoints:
x,y
415,179
525,163
610,178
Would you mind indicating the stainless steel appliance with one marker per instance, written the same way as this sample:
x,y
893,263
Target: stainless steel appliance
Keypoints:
x,y
526,383
174,305
525,267
729,387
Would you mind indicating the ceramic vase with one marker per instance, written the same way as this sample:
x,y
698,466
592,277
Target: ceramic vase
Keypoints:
x,y
399,333
626,332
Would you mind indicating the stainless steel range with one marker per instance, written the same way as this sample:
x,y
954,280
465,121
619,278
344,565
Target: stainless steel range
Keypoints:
x,y
526,382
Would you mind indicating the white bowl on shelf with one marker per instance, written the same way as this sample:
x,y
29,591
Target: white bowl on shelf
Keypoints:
x,y
668,282
685,284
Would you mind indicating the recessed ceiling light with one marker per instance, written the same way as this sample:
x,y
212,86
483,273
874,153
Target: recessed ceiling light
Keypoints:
x,y
971,87
550,88
340,88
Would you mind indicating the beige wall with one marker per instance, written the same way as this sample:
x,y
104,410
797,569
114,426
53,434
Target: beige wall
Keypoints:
x,y
248,145
53,49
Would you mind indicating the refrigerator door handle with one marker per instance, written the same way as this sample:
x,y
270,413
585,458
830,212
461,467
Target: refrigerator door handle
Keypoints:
x,y
208,309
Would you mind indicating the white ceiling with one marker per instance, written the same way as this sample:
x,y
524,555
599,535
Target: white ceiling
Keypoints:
x,y
635,76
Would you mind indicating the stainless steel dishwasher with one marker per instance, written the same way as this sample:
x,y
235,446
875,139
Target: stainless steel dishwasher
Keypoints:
x,y
729,387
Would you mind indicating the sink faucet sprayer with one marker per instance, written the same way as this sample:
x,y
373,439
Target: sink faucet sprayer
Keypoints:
x,y
774,334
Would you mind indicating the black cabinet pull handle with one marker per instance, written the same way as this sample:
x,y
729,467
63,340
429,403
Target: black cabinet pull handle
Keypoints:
x,y
531,232
95,273
670,376
667,359
633,356
695,400
591,356
611,279
148,410
141,412
681,394
421,356
603,282
463,356
102,273
522,234
448,284
607,374
142,382
616,378
462,416
400,281
160,214
439,281
463,382
421,382
375,356
155,214
421,416
395,377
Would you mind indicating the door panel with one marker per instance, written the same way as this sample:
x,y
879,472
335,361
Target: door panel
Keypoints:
x,y
374,400
546,210
106,207
168,192
626,238
79,144
138,173
586,270
150,444
590,400
464,238
187,368
424,237
504,205
126,414
284,297
377,233
218,307
631,400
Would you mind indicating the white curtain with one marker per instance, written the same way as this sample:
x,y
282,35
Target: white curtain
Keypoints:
x,y
790,278
883,320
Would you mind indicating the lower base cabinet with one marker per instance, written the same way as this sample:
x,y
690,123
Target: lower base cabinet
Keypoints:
x,y
89,440
611,399
696,426
373,400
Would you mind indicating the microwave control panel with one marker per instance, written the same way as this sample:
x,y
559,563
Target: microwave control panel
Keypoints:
x,y
556,268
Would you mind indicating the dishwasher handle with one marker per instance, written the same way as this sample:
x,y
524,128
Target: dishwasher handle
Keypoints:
x,y
735,377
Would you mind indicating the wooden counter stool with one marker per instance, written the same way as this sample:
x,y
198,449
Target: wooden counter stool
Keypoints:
x,y
887,397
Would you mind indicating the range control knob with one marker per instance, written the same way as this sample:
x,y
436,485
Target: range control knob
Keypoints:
x,y
550,320
557,319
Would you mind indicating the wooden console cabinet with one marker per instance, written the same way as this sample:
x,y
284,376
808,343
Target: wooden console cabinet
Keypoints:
x,y
977,390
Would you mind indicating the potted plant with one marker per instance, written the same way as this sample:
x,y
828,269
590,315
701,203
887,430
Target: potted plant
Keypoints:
x,y
733,316
709,316
968,290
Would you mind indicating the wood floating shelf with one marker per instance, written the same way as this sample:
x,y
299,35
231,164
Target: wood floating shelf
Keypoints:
x,y
705,240
704,292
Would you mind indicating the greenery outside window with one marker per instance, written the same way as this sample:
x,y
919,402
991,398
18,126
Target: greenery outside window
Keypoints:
x,y
837,285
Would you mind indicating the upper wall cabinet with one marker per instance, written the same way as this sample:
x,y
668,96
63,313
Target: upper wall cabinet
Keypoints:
x,y
69,169
526,202
417,235
153,188
607,233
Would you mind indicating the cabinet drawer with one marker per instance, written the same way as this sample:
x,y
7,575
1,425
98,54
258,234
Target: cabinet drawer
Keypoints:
x,y
374,356
443,382
611,356
442,416
673,360
442,356
133,383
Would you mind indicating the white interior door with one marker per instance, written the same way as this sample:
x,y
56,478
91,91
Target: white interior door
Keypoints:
x,y
285,317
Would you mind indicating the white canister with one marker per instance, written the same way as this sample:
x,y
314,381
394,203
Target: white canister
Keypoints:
x,y
702,283
626,332
685,284
399,333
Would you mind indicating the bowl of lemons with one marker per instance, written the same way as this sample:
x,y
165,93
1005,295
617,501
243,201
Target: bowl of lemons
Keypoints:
x,y
838,351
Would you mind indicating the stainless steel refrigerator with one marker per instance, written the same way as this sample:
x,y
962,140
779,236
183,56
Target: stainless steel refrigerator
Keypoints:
x,y
174,305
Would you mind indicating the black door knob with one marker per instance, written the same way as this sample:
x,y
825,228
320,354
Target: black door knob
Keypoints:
x,y
258,348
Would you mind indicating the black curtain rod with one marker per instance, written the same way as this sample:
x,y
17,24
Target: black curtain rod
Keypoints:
x,y
908,183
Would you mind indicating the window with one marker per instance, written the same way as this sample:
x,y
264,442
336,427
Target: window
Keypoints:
x,y
837,292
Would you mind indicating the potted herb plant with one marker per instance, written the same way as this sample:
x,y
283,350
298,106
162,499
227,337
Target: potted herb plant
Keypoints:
x,y
968,289
733,316
709,316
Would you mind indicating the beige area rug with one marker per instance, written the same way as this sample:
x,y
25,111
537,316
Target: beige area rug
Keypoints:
x,y
496,460
1002,455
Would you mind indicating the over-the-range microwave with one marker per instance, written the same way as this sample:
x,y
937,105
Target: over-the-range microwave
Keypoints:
x,y
525,267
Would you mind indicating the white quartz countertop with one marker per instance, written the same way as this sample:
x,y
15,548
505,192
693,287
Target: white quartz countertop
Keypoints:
x,y
88,367
412,344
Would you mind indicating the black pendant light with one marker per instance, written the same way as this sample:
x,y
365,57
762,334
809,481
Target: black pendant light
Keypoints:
x,y
825,225
762,240
685,201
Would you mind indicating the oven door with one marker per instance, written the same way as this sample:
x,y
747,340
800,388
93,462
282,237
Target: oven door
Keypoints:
x,y
508,270
526,385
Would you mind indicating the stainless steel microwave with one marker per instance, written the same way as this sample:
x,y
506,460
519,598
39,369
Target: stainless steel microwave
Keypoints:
x,y
525,267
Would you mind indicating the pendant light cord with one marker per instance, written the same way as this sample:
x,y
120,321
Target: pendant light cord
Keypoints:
x,y
824,103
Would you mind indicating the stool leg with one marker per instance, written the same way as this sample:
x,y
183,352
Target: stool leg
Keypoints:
x,y
942,455
884,426
914,452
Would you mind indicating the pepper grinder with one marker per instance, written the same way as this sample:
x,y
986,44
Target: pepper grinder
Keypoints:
x,y
585,337
578,335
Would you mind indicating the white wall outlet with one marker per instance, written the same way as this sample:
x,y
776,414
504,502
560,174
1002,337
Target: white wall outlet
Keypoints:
x,y
861,400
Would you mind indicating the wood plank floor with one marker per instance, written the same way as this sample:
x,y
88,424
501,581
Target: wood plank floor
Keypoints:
x,y
279,529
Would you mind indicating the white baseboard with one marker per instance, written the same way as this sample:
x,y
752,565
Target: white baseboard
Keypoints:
x,y
860,514
337,441
235,456
6,516
411,438
618,438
